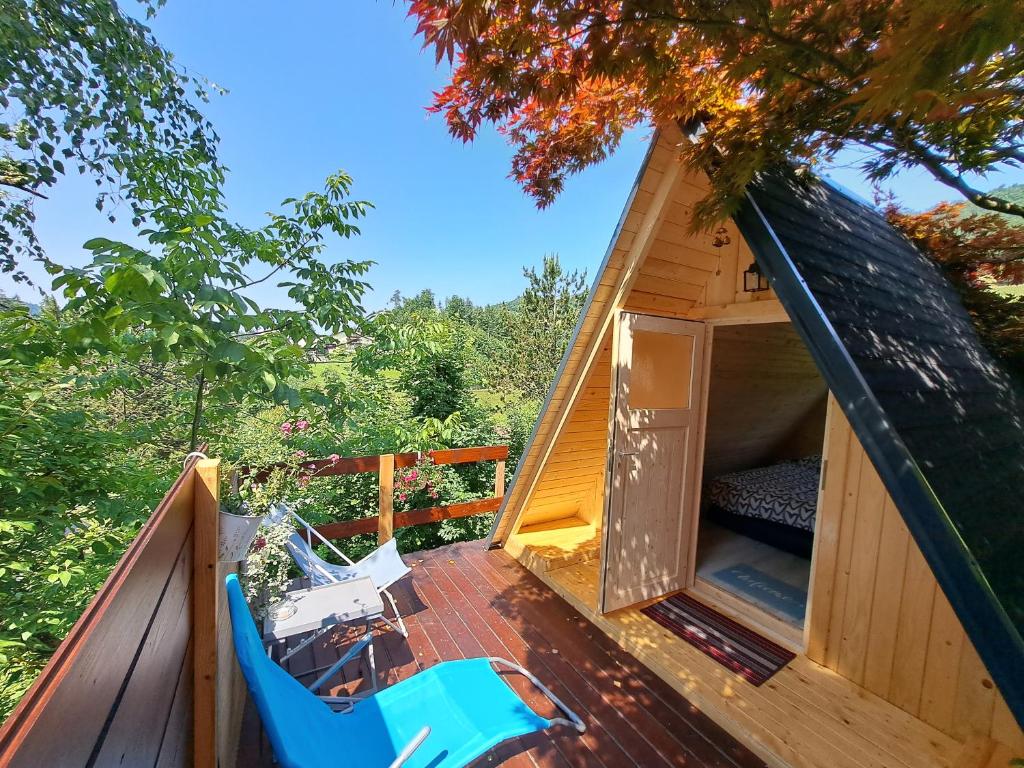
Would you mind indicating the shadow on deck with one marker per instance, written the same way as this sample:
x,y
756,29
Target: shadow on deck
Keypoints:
x,y
462,601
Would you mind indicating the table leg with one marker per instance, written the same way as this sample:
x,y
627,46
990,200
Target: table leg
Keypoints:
x,y
346,658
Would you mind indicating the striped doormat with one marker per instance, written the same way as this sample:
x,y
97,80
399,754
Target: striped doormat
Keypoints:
x,y
732,645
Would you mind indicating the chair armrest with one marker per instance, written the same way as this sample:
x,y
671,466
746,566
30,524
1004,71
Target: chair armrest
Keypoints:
x,y
573,720
347,702
411,747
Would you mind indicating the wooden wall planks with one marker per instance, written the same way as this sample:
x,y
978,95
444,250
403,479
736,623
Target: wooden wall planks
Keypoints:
x,y
764,385
85,679
877,616
573,480
231,691
638,227
120,689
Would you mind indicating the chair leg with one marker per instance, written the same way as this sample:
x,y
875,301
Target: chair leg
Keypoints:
x,y
371,668
358,648
394,606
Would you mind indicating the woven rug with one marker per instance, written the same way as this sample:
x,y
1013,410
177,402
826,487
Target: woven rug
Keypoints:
x,y
732,645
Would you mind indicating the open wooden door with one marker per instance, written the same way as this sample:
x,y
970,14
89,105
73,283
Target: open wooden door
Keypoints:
x,y
648,515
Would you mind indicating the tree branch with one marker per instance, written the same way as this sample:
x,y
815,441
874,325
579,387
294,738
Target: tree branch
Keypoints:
x,y
286,263
933,163
23,188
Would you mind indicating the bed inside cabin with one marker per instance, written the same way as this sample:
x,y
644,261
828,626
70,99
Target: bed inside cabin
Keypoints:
x,y
761,472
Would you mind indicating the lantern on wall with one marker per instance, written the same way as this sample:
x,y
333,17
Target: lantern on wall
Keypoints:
x,y
754,280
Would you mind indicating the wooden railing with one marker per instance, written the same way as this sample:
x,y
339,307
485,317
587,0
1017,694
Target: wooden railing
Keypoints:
x,y
387,520
147,675
137,679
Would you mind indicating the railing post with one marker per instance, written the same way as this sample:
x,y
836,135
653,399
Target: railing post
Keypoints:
x,y
205,592
386,483
499,479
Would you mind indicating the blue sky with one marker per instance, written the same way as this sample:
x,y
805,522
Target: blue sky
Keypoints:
x,y
321,85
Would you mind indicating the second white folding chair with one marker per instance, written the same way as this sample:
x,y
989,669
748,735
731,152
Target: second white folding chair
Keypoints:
x,y
384,566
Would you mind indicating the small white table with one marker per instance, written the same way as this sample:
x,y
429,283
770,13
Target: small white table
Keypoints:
x,y
319,609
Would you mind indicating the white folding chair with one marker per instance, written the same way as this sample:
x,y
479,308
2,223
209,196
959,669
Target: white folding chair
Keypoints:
x,y
384,566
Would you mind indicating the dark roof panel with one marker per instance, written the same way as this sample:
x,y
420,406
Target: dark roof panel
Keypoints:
x,y
939,418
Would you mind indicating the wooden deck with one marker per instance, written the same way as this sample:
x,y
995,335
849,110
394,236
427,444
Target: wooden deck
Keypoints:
x,y
463,601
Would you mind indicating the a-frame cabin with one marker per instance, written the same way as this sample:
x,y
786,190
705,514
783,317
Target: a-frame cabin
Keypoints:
x,y
833,461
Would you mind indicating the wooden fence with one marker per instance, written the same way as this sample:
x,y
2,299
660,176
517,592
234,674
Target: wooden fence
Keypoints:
x,y
147,674
387,520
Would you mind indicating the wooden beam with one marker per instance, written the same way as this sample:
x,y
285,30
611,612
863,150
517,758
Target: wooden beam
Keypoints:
x,y
353,465
640,246
763,311
349,528
462,455
205,591
386,499
499,479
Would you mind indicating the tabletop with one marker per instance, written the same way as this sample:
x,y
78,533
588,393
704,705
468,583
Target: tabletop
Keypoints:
x,y
325,606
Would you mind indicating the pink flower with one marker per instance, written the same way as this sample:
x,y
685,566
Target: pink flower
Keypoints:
x,y
402,497
433,494
335,458
413,475
301,425
300,454
286,428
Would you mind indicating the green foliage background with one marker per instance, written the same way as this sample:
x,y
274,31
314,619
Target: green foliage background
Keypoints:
x,y
87,451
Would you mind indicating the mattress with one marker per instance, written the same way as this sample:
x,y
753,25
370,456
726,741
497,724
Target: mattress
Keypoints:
x,y
785,493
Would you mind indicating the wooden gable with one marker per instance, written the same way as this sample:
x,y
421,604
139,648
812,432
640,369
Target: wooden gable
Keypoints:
x,y
653,265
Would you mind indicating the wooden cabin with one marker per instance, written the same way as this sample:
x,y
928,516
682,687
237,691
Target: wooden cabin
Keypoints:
x,y
792,421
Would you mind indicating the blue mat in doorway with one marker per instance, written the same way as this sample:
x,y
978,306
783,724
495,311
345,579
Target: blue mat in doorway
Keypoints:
x,y
775,596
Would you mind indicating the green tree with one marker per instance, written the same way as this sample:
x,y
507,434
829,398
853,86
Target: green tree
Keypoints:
x,y
436,381
430,351
185,300
539,325
84,87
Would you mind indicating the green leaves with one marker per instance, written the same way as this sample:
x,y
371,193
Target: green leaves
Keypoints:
x,y
86,85
230,351
186,299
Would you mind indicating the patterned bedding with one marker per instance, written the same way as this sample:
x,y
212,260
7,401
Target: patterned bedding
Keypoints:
x,y
784,493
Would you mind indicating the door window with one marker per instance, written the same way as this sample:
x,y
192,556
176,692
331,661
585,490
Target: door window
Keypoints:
x,y
661,370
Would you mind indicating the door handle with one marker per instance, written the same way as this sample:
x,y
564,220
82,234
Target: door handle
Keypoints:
x,y
626,453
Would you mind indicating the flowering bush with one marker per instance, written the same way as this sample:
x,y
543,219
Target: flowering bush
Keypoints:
x,y
268,564
268,567
290,473
419,485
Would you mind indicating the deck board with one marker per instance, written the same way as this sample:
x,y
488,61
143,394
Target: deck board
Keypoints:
x,y
463,601
805,716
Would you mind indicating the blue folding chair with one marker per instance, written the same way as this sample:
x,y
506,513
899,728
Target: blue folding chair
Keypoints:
x,y
443,717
